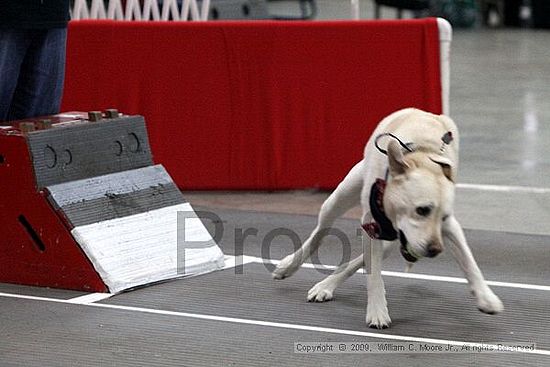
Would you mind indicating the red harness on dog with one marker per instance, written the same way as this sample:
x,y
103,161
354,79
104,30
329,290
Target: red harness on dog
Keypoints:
x,y
381,227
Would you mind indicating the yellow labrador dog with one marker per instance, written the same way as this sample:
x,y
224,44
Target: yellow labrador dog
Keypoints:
x,y
406,186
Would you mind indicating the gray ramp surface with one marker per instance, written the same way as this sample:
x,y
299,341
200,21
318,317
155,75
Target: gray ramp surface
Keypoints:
x,y
81,150
115,195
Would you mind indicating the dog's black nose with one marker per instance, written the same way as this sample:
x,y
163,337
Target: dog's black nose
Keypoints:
x,y
433,250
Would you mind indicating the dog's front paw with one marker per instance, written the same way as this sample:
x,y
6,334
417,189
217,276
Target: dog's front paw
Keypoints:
x,y
286,267
321,292
488,302
378,316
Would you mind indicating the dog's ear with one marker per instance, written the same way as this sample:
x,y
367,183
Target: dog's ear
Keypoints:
x,y
398,165
446,165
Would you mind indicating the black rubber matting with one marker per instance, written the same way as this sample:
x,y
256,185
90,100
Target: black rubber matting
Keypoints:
x,y
40,333
504,257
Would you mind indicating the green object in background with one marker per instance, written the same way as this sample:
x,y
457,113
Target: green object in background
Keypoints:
x,y
460,13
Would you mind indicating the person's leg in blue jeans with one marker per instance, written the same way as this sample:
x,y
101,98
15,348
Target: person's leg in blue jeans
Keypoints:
x,y
35,59
13,46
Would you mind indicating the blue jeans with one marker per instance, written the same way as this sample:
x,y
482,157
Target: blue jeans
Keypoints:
x,y
32,70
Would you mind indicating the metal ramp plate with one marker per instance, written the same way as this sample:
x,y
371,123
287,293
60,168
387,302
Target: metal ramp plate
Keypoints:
x,y
127,225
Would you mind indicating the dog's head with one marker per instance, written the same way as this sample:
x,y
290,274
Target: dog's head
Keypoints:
x,y
418,198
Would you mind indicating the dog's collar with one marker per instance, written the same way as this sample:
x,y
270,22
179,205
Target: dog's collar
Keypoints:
x,y
381,227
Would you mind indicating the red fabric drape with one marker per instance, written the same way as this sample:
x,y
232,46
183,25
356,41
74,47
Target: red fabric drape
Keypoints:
x,y
255,105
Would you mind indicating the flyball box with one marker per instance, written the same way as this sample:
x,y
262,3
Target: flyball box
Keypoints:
x,y
84,207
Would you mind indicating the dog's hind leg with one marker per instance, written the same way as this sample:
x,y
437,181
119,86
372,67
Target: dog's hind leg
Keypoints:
x,y
487,301
346,196
323,291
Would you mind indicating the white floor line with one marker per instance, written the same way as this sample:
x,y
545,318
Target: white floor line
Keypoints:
x,y
90,298
234,261
281,325
504,188
437,278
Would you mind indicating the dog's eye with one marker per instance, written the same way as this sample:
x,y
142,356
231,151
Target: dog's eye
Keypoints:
x,y
423,211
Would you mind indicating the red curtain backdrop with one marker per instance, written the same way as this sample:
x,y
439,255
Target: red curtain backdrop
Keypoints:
x,y
255,105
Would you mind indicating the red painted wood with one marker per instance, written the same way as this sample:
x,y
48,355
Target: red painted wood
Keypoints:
x,y
62,264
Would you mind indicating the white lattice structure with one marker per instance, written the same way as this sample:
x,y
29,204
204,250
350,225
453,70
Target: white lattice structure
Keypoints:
x,y
141,10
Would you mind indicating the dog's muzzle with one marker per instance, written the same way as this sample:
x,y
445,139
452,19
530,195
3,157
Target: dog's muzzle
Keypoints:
x,y
404,249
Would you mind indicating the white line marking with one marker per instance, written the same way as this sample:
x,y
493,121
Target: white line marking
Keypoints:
x,y
437,278
90,298
234,261
280,325
502,188
35,298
